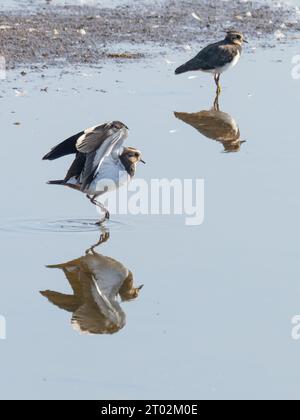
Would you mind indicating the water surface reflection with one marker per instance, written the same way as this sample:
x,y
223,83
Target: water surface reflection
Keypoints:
x,y
215,125
98,283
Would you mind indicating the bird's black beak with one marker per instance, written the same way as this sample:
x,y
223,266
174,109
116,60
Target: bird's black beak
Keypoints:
x,y
143,161
245,40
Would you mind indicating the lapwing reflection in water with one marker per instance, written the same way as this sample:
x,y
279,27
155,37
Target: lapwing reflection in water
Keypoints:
x,y
216,125
99,285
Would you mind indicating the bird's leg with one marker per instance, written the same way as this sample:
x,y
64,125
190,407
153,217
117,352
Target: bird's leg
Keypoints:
x,y
219,89
215,79
105,217
105,211
217,82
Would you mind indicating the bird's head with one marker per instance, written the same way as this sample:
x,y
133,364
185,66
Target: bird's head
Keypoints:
x,y
132,293
235,37
128,291
132,155
118,125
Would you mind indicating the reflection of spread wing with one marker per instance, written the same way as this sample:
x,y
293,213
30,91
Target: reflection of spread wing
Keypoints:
x,y
98,314
97,143
108,273
101,313
67,302
216,125
89,320
96,281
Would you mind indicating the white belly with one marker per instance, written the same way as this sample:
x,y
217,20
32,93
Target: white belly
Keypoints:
x,y
220,70
111,176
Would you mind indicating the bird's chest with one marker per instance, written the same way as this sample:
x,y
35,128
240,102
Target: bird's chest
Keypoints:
x,y
236,59
111,175
230,64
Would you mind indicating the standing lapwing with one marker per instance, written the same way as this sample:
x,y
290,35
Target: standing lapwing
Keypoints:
x,y
217,58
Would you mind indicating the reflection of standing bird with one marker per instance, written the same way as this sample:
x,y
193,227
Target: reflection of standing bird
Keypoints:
x,y
216,125
216,58
96,281
101,163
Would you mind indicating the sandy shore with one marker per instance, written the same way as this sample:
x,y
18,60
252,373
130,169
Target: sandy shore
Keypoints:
x,y
90,34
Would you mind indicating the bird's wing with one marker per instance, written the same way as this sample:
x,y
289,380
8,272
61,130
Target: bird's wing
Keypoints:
x,y
93,138
214,56
77,167
84,142
67,147
98,143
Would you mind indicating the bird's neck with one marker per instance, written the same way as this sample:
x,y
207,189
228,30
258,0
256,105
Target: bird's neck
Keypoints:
x,y
128,166
235,45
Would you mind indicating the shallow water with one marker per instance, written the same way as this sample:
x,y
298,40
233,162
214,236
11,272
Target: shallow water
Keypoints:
x,y
213,319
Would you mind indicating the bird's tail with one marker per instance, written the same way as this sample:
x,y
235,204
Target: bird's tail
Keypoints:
x,y
182,69
65,184
57,182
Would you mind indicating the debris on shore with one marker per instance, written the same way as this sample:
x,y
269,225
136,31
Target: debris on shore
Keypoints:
x,y
84,34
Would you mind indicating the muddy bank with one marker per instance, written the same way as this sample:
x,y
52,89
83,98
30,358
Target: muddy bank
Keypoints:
x,y
81,34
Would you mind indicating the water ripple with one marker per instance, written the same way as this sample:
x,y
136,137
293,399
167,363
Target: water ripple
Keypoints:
x,y
56,225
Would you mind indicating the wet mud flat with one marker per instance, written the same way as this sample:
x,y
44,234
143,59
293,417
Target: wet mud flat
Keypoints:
x,y
83,34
